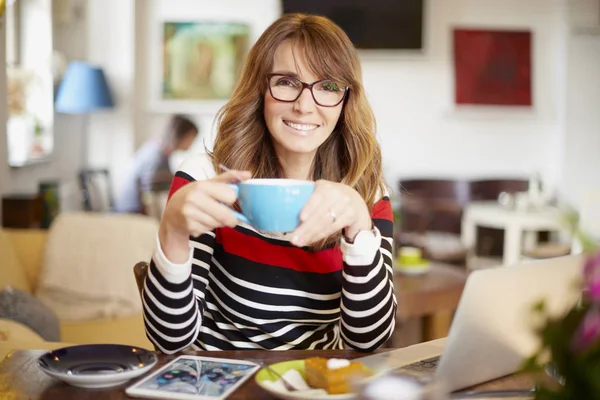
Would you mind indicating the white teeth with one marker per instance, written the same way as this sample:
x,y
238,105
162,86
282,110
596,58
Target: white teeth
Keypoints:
x,y
300,127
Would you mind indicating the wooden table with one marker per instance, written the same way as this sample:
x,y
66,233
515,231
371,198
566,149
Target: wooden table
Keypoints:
x,y
20,377
430,299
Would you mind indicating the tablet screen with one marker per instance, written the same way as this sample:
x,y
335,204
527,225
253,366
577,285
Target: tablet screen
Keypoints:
x,y
198,376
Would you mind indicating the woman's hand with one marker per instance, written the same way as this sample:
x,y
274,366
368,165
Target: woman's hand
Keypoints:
x,y
331,208
197,208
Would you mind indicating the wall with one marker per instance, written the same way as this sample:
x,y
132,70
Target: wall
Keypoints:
x,y
581,149
111,44
420,130
424,134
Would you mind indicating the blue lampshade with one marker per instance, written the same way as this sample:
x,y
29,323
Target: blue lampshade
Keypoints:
x,y
83,89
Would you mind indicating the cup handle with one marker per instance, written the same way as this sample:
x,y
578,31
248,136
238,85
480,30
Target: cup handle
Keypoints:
x,y
239,216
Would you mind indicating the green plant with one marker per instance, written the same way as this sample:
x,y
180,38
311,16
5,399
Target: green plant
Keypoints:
x,y
570,344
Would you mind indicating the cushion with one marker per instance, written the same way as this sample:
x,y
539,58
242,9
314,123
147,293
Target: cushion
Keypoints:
x,y
12,273
87,272
22,307
29,246
129,331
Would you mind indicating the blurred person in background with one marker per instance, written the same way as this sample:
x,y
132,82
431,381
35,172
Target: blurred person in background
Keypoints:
x,y
150,170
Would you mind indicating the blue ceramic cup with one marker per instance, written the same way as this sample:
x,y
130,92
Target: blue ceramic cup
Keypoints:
x,y
273,205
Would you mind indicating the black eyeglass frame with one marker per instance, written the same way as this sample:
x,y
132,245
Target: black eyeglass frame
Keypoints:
x,y
305,85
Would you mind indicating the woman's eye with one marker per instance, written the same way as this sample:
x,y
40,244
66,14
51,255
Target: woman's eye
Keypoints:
x,y
330,86
286,82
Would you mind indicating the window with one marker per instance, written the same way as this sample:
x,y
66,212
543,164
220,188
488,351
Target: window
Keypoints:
x,y
12,29
29,81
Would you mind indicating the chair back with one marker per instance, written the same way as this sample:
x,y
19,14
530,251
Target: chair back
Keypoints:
x,y
457,190
140,271
96,190
432,204
490,189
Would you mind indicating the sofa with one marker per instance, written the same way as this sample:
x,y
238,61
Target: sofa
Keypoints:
x,y
28,256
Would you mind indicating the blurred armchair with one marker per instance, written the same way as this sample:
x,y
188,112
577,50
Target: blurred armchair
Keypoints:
x,y
77,274
431,211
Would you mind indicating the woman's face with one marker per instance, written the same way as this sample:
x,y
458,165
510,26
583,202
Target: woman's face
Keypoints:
x,y
300,127
187,140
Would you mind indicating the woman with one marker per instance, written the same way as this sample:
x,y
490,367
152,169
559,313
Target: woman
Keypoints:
x,y
325,285
150,169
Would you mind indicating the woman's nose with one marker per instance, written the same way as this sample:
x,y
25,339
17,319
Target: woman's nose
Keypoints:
x,y
305,103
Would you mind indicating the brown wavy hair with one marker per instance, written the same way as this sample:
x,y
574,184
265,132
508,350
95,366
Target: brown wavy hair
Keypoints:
x,y
351,155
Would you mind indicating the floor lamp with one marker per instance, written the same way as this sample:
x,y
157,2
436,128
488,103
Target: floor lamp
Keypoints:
x,y
83,90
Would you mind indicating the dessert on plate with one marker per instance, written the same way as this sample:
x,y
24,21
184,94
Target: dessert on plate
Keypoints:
x,y
334,375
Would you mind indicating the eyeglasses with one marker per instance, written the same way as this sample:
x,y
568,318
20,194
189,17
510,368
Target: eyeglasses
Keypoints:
x,y
326,93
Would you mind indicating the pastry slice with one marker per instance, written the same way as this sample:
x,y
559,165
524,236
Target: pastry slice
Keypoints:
x,y
336,376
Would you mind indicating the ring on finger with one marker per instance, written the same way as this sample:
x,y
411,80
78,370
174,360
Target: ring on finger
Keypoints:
x,y
333,216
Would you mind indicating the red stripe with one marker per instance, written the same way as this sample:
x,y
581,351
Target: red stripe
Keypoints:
x,y
383,210
260,251
177,183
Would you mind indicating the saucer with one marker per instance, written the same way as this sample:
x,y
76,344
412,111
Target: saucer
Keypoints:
x,y
413,269
97,365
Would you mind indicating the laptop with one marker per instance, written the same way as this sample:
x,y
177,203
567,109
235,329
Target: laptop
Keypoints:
x,y
492,332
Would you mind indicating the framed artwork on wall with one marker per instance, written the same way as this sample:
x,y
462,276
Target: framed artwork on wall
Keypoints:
x,y
202,60
492,67
200,63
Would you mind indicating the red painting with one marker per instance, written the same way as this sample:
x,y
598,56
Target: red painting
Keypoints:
x,y
492,67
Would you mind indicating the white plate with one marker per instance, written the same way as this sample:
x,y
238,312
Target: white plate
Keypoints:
x,y
97,365
282,367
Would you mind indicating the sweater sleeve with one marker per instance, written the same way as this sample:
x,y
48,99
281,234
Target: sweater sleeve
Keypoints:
x,y
173,294
368,305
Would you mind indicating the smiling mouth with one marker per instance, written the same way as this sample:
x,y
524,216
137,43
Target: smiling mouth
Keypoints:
x,y
301,127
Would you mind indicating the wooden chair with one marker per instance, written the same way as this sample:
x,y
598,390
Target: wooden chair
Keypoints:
x,y
140,271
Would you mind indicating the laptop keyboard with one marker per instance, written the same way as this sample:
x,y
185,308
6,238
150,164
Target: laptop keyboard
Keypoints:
x,y
422,368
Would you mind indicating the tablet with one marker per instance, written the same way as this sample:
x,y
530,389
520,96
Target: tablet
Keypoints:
x,y
195,378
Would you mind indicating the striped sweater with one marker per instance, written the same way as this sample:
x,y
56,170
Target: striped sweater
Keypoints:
x,y
243,289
